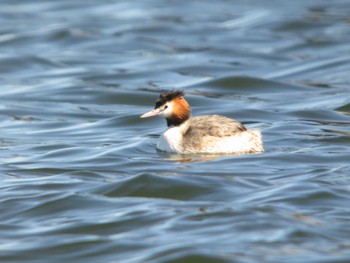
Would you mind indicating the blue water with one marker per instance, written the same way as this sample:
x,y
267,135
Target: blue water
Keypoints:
x,y
81,180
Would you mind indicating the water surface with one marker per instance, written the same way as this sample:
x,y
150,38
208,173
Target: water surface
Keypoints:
x,y
81,179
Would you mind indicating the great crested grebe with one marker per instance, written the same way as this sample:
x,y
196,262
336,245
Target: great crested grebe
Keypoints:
x,y
203,134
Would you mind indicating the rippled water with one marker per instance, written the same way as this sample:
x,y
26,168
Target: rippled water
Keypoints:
x,y
81,180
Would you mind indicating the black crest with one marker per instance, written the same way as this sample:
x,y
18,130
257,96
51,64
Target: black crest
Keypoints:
x,y
166,96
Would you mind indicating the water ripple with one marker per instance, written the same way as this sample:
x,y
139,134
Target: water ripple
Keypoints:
x,y
82,180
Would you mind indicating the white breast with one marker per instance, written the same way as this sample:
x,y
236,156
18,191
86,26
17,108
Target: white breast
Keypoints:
x,y
171,140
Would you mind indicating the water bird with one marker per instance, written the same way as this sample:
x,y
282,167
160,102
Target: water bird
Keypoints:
x,y
212,134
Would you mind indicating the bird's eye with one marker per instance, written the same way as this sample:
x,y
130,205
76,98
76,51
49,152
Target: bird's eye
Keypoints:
x,y
165,107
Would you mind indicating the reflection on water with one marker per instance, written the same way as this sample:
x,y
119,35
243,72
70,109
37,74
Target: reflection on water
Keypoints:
x,y
81,178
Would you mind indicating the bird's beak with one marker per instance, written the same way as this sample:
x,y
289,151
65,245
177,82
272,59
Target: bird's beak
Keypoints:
x,y
151,113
